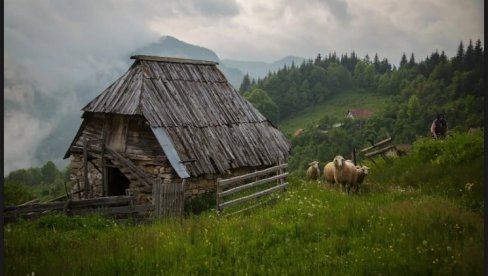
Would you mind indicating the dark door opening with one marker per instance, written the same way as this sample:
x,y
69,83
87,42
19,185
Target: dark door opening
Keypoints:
x,y
117,182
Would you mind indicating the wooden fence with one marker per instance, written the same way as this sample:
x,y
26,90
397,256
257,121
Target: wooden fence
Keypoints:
x,y
381,148
168,199
111,206
223,184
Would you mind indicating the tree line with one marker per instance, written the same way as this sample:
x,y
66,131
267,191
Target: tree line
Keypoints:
x,y
416,92
37,182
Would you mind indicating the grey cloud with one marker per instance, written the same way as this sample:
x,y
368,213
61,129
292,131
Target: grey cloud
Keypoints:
x,y
224,8
339,9
59,54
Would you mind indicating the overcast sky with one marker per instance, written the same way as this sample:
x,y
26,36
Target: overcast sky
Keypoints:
x,y
54,46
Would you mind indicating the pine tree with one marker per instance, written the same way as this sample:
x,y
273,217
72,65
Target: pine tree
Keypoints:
x,y
366,59
469,59
458,60
376,62
318,59
443,57
478,53
411,62
245,85
403,61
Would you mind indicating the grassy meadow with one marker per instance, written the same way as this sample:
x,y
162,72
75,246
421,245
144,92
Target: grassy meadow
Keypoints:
x,y
415,215
335,107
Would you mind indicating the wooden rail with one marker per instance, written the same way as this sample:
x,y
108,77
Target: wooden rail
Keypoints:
x,y
380,148
114,205
224,183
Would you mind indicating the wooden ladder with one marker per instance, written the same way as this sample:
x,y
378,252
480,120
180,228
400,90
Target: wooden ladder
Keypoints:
x,y
128,168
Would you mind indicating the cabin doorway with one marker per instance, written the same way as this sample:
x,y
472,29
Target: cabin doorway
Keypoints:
x,y
117,182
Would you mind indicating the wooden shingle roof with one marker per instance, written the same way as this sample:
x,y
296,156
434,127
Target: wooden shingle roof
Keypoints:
x,y
208,121
358,113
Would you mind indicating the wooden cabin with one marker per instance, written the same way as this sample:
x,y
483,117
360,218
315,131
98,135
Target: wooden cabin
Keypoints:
x,y
174,120
359,113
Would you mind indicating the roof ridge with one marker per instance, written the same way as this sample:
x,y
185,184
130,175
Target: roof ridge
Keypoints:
x,y
173,60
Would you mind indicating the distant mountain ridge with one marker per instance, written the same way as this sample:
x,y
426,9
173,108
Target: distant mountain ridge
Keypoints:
x,y
259,69
169,46
234,70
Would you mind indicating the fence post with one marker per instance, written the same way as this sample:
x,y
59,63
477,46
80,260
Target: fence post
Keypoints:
x,y
217,194
182,198
281,171
102,165
157,197
85,166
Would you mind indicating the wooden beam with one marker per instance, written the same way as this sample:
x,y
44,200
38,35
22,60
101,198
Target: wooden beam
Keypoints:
x,y
136,171
228,181
255,195
218,197
252,184
380,151
102,165
95,166
85,166
377,144
85,203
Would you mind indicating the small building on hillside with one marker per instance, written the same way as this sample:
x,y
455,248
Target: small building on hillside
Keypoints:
x,y
170,119
359,113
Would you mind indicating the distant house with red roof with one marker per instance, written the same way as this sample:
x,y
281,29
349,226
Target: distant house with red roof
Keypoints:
x,y
359,113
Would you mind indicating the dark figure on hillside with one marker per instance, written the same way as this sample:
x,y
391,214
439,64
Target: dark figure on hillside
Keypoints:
x,y
439,127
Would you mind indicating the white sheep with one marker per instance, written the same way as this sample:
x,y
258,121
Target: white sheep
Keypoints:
x,y
313,172
329,173
343,172
361,172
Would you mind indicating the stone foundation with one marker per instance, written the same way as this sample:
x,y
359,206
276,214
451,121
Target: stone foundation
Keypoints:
x,y
194,187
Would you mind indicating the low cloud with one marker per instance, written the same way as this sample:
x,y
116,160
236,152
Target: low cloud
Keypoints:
x,y
22,134
60,54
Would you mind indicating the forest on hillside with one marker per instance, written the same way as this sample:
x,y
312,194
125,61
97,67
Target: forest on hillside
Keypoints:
x,y
416,92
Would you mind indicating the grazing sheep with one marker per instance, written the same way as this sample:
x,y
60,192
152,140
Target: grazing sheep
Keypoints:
x,y
313,172
329,173
343,172
361,172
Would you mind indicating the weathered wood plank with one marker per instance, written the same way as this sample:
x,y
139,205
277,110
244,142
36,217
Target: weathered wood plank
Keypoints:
x,y
253,196
85,168
377,144
252,184
228,181
117,210
380,151
84,203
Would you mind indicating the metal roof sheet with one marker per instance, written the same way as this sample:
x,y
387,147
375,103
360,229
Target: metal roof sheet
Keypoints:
x,y
170,151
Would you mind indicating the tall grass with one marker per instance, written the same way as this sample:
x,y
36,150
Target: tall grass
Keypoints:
x,y
453,168
421,215
311,229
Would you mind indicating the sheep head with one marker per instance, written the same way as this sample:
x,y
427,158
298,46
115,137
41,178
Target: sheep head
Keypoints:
x,y
339,162
314,164
365,170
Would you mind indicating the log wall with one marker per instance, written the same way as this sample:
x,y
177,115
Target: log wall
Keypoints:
x,y
144,151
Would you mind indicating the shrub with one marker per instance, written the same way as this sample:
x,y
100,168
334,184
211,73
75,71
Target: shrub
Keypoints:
x,y
452,167
15,193
201,203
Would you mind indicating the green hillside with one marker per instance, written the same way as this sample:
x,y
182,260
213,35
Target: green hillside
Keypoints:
x,y
416,215
336,107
